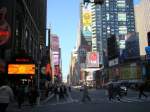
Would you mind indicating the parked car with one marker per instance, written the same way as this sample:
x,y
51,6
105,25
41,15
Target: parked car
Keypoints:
x,y
81,88
123,88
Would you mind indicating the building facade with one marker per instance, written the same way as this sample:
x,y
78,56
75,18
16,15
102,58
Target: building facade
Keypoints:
x,y
142,15
24,22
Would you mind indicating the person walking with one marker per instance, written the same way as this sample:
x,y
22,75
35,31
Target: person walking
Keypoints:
x,y
85,94
57,92
6,96
20,96
110,91
33,94
141,91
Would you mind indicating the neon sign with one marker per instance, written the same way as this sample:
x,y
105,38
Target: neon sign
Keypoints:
x,y
21,69
5,30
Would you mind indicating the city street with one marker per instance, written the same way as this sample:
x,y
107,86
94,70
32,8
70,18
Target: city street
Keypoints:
x,y
99,102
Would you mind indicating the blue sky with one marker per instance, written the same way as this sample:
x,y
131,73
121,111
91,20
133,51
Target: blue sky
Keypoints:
x,y
63,17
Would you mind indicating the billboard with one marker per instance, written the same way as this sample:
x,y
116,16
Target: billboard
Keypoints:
x,y
92,59
87,20
21,69
147,49
132,46
56,59
54,43
57,70
6,12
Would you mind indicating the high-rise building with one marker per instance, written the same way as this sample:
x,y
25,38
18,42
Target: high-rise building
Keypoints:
x,y
142,16
117,18
85,35
114,17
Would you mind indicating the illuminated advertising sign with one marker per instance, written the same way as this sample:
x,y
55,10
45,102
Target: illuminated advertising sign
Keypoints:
x,y
57,70
5,30
147,49
92,59
48,69
56,59
87,20
21,69
55,43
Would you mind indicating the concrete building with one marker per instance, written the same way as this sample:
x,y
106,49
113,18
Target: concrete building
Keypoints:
x,y
142,16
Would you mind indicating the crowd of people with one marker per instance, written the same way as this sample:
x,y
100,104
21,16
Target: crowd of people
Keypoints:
x,y
29,93
60,91
16,93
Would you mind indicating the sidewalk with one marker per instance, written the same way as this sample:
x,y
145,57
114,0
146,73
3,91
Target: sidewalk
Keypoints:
x,y
13,107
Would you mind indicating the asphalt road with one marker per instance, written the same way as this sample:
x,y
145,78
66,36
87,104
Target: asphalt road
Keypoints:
x,y
100,103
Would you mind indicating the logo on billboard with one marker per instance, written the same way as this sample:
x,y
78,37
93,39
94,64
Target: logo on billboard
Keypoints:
x,y
93,59
5,30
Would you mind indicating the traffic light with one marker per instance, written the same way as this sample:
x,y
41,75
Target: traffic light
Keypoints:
x,y
148,38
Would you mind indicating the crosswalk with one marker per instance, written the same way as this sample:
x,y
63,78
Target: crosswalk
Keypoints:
x,y
101,100
128,100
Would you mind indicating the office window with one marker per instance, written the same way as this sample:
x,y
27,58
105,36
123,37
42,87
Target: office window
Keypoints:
x,y
122,16
121,4
122,30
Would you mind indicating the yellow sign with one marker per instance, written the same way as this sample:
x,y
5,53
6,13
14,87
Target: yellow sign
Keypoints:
x,y
21,69
87,19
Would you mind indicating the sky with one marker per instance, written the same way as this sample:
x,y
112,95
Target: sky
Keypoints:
x,y
63,17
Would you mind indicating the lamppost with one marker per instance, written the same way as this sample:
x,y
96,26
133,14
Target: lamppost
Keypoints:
x,y
39,65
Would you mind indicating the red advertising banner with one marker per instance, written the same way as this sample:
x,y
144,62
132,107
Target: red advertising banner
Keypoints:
x,y
48,70
57,70
92,59
55,43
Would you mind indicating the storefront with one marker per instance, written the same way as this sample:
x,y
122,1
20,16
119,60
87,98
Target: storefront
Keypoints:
x,y
21,70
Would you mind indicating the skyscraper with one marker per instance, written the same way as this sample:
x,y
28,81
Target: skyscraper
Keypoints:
x,y
117,18
113,17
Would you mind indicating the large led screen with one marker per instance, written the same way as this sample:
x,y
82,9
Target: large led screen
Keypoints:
x,y
21,69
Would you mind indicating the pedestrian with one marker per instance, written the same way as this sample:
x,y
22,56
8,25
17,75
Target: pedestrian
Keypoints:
x,y
6,96
69,88
20,96
85,94
110,91
61,93
57,92
33,95
141,91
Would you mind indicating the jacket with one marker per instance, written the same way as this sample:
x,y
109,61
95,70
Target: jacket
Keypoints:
x,y
6,94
